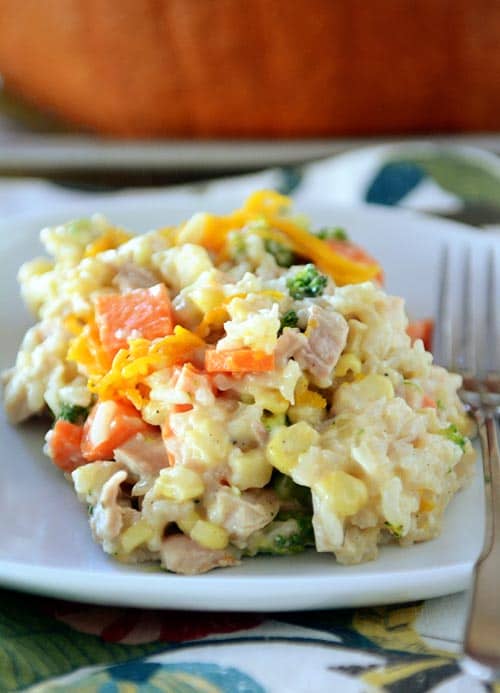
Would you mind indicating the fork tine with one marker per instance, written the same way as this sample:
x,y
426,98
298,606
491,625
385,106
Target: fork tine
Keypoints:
x,y
443,336
465,357
492,360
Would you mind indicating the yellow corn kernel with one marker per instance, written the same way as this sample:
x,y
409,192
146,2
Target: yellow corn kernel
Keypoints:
x,y
179,484
74,324
311,414
186,523
346,363
271,400
111,238
377,386
426,504
92,476
208,298
309,398
214,319
209,535
360,393
342,492
287,443
193,230
301,386
135,535
249,469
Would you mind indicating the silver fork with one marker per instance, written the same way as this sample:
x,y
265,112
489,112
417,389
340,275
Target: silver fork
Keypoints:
x,y
470,347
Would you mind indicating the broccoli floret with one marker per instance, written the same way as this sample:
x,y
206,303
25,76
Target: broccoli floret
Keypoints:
x,y
284,256
287,490
333,233
73,413
290,319
238,245
282,537
453,434
80,226
395,530
271,420
307,282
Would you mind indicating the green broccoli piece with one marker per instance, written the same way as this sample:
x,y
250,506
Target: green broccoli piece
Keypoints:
x,y
73,413
290,319
332,233
284,256
79,226
238,245
453,434
271,420
395,530
287,490
307,282
282,537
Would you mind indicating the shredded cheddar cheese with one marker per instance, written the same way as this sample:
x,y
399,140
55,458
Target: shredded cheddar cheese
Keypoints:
x,y
125,378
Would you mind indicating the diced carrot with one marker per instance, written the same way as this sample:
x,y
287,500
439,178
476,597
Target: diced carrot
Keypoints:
x,y
422,329
428,401
143,313
355,252
238,361
181,408
64,444
108,426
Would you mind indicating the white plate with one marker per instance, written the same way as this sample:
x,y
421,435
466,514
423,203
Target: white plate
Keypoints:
x,y
45,544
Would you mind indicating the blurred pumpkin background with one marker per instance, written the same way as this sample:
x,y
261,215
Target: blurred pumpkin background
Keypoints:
x,y
255,68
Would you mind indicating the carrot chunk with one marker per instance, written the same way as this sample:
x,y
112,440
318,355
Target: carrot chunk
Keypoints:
x,y
143,313
238,361
108,426
428,401
64,442
421,329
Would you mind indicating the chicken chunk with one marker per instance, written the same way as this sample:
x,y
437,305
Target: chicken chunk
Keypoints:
x,y
144,455
318,349
106,521
180,554
242,514
132,276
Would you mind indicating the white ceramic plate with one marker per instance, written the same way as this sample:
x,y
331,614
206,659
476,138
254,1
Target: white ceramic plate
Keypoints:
x,y
45,543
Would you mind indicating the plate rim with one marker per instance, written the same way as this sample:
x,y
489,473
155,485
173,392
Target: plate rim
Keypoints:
x,y
70,583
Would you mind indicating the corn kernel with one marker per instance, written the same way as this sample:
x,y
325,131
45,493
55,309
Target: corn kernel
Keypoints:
x,y
426,504
207,298
249,469
309,398
301,386
178,483
377,387
208,441
186,523
193,230
346,363
90,478
342,492
287,443
310,414
271,400
135,535
209,535
359,394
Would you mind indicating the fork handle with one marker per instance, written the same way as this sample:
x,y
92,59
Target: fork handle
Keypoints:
x,y
482,634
